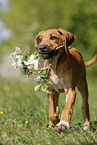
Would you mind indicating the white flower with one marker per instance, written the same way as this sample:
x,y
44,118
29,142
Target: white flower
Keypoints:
x,y
37,88
30,67
18,56
14,64
31,59
17,49
19,63
43,89
32,62
38,78
35,62
25,62
15,53
12,54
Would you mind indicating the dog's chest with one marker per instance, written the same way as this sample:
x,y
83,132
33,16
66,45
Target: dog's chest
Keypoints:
x,y
57,83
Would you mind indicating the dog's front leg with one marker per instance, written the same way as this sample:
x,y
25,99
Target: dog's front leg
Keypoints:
x,y
67,111
53,108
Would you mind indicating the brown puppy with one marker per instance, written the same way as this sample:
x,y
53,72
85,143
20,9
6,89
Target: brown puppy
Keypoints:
x,y
67,73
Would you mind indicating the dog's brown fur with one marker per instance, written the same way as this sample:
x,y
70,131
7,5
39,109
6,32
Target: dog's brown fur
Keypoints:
x,y
67,72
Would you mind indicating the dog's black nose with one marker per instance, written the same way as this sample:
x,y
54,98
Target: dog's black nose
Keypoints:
x,y
42,47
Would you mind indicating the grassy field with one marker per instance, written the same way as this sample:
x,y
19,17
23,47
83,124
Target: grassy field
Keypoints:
x,y
24,116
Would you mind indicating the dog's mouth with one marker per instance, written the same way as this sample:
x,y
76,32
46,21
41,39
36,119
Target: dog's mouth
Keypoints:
x,y
46,56
47,52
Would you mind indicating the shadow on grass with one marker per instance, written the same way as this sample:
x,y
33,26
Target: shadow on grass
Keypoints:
x,y
93,126
95,123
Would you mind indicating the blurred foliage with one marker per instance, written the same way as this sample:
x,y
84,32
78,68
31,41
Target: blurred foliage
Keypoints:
x,y
27,18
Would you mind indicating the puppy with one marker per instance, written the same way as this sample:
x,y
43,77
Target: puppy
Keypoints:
x,y
67,73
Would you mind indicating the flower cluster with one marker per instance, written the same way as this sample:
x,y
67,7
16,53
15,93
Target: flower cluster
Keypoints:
x,y
22,59
30,65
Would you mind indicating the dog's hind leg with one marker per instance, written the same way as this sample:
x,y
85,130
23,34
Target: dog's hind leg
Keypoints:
x,y
53,108
83,88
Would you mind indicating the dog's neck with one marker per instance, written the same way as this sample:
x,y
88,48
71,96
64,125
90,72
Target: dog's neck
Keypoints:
x,y
57,61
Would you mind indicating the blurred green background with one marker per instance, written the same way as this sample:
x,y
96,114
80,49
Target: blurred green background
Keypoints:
x,y
20,21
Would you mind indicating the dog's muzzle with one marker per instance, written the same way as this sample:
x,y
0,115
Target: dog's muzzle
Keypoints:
x,y
47,51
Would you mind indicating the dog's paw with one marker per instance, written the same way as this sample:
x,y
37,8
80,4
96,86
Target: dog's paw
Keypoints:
x,y
86,127
62,125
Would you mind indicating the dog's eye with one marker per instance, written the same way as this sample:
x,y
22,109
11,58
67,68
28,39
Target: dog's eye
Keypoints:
x,y
39,39
53,37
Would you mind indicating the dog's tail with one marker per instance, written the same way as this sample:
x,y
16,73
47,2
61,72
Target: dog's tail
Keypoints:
x,y
94,59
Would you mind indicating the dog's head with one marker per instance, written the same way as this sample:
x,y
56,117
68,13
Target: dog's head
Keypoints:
x,y
47,41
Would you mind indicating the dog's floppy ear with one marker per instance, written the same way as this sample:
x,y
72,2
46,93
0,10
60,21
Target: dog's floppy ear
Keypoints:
x,y
68,37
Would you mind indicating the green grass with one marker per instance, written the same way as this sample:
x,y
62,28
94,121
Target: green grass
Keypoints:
x,y
25,117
